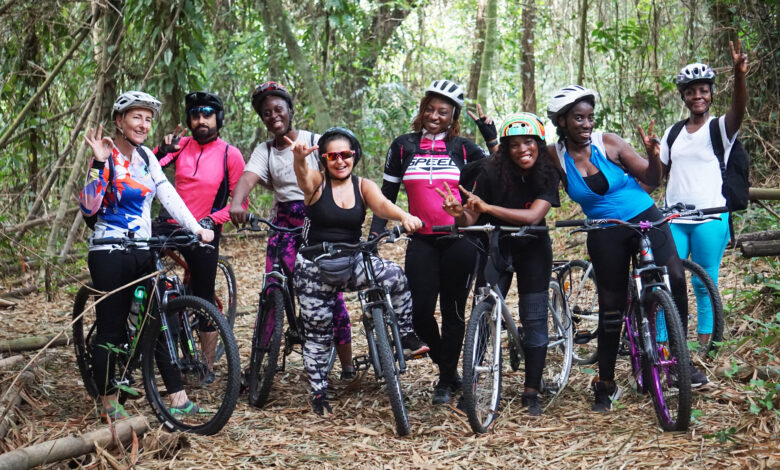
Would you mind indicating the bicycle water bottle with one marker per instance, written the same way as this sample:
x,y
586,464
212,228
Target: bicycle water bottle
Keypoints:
x,y
137,307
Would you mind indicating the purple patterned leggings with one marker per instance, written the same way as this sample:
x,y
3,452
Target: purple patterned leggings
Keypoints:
x,y
291,214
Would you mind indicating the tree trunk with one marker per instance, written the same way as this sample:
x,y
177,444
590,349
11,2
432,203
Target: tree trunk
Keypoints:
x,y
32,343
272,42
479,48
302,65
760,248
491,38
527,58
582,41
69,447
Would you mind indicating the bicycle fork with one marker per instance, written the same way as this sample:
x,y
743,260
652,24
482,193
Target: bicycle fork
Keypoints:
x,y
390,319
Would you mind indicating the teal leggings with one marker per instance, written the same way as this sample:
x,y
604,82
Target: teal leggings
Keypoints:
x,y
705,244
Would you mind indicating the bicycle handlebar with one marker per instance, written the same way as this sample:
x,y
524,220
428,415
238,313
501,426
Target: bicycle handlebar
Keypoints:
x,y
336,247
254,222
159,241
677,211
519,231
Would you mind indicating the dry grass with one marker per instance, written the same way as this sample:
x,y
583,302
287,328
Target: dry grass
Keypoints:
x,y
361,432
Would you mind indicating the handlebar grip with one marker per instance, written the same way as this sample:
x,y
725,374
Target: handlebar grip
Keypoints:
x,y
108,241
714,210
318,248
443,228
570,223
538,229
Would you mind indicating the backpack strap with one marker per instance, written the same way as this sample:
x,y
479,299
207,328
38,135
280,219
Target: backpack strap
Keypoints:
x,y
673,133
224,187
717,146
143,155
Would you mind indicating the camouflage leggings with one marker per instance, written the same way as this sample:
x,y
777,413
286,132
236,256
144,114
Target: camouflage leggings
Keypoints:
x,y
290,215
317,300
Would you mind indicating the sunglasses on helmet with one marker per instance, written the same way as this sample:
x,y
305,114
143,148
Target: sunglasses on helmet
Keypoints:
x,y
333,156
205,111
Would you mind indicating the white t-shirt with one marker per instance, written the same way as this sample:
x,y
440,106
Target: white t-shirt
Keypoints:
x,y
694,177
276,170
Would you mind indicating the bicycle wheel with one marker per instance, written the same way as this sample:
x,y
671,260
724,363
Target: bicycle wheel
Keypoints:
x,y
213,388
482,367
389,371
85,343
225,296
266,342
666,368
701,286
578,283
559,349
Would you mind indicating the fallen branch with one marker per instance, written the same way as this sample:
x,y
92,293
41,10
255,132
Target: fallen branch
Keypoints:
x,y
7,303
69,447
758,236
30,343
764,194
11,361
13,399
760,248
747,371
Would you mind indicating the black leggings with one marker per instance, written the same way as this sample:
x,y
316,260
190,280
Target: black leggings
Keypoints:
x,y
202,264
109,270
440,269
610,251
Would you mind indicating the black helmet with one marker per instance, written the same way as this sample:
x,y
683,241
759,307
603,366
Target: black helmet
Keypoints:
x,y
205,98
341,132
270,89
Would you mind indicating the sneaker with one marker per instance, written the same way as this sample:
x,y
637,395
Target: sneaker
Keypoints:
x,y
209,378
413,346
320,405
348,373
605,396
698,378
114,412
531,400
187,409
442,393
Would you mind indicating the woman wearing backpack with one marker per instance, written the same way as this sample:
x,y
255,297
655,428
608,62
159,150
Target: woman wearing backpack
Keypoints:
x,y
124,206
271,165
437,267
695,174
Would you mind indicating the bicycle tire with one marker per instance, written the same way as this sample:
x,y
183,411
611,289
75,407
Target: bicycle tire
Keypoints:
x,y
482,384
695,273
578,283
225,295
560,347
266,343
389,371
220,394
671,369
83,342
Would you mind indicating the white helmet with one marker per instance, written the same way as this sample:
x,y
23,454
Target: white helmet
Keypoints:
x,y
447,89
136,99
694,73
564,98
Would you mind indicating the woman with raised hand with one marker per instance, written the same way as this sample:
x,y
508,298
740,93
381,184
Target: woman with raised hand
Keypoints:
x,y
517,186
438,268
601,172
271,165
336,202
123,179
695,177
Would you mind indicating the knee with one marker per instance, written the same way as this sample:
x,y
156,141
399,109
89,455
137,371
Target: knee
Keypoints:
x,y
533,316
611,321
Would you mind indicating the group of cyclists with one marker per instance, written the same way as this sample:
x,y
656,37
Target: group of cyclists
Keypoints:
x,y
448,179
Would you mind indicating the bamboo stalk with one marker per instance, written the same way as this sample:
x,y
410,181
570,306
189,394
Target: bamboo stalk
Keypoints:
x,y
30,343
14,398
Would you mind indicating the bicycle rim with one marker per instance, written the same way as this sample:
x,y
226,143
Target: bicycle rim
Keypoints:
x,y
559,350
390,372
84,337
482,367
216,396
266,342
578,283
703,302
667,374
225,295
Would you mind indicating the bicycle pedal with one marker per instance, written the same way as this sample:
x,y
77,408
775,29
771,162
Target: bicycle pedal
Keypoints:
x,y
583,337
411,357
361,363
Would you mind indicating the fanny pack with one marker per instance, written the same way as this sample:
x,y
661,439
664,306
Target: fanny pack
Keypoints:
x,y
337,270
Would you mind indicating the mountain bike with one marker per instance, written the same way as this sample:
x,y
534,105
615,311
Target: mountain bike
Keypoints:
x,y
162,339
661,368
385,352
276,302
482,368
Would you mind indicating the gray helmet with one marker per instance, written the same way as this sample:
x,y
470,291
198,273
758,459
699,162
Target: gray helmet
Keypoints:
x,y
136,99
449,90
696,72
565,98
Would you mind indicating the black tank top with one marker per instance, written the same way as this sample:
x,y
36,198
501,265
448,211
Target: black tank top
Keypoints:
x,y
327,222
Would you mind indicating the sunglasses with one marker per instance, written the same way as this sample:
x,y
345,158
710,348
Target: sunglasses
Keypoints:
x,y
205,111
333,156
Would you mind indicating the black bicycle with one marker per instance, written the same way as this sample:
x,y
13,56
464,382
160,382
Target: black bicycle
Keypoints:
x,y
385,353
162,339
276,302
657,344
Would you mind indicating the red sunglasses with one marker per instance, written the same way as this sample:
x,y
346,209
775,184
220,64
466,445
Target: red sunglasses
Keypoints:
x,y
333,156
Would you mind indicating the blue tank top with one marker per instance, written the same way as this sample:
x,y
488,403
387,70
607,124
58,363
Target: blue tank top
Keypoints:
x,y
624,200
